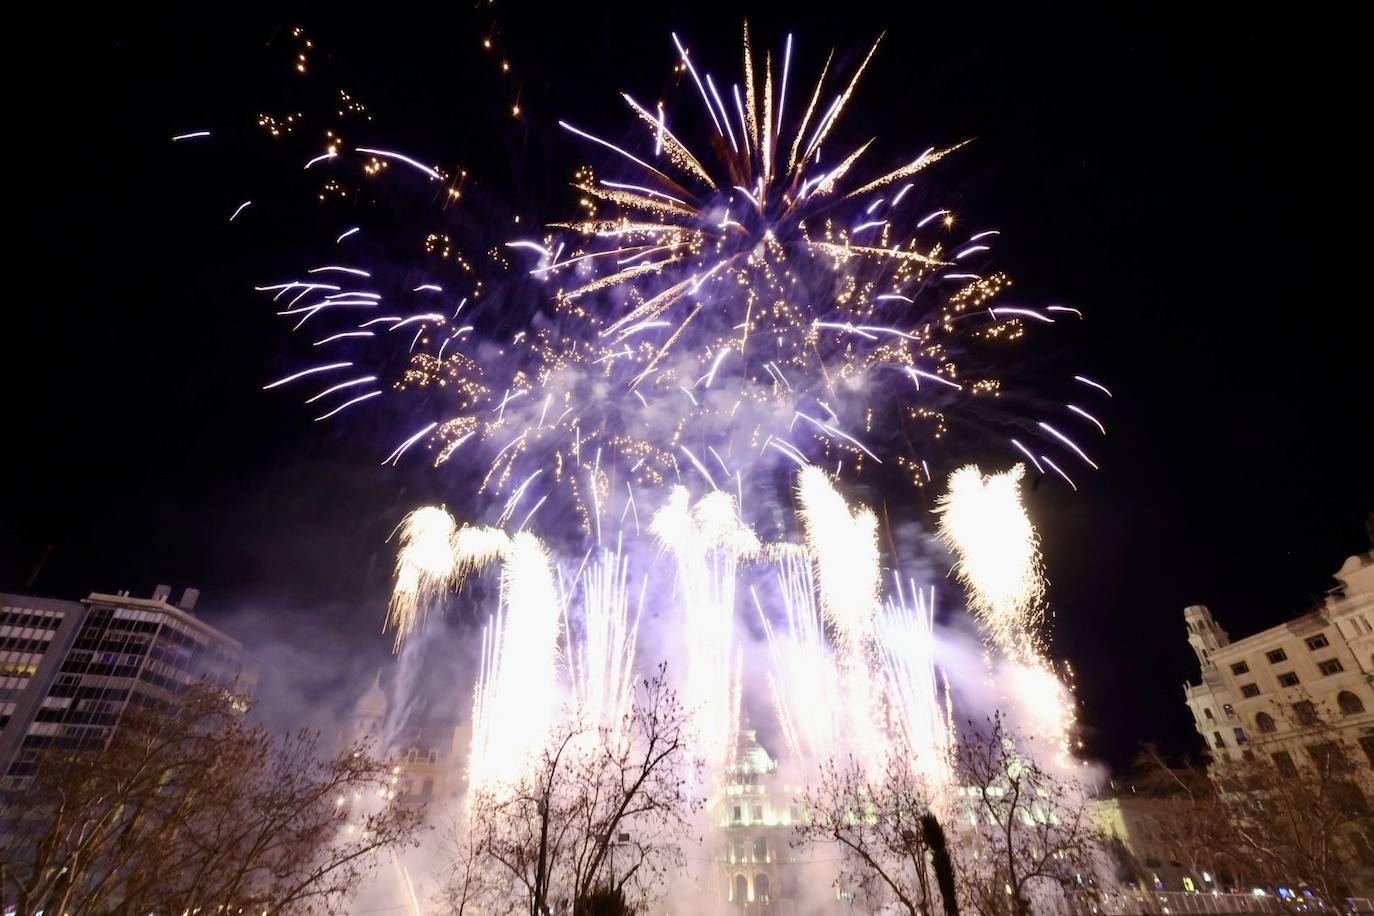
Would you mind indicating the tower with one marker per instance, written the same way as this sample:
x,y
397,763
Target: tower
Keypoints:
x,y
1205,635
369,713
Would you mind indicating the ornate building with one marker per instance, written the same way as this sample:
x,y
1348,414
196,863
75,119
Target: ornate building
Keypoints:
x,y
1285,691
755,813
428,759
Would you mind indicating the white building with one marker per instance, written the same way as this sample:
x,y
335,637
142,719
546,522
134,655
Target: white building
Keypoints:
x,y
754,815
1269,693
429,758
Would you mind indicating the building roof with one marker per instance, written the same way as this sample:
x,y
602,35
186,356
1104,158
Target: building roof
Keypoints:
x,y
372,704
158,604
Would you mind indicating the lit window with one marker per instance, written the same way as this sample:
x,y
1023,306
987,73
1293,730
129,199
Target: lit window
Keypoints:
x,y
1317,642
1288,679
1278,655
1331,666
1229,710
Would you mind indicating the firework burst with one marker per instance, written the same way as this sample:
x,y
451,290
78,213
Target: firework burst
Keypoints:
x,y
739,288
742,287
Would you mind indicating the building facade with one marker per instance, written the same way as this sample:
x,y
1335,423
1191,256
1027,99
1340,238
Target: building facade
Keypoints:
x,y
757,864
69,669
1284,692
428,760
1139,858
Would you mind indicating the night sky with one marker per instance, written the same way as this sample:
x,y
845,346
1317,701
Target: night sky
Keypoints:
x,y
1183,181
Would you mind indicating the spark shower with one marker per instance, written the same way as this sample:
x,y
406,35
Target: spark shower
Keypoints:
x,y
747,309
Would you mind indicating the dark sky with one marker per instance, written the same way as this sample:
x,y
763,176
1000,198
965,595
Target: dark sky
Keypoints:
x,y
1184,180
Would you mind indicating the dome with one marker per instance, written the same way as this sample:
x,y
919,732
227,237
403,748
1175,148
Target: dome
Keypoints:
x,y
372,704
1351,564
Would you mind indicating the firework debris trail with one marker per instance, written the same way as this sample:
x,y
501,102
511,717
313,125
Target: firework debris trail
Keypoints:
x,y
753,298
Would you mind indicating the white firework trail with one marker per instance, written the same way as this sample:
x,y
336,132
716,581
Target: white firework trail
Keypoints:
x,y
708,541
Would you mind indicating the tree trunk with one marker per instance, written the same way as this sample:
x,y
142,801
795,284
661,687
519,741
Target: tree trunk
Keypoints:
x,y
934,836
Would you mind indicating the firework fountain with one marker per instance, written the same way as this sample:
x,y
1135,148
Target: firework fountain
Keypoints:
x,y
740,306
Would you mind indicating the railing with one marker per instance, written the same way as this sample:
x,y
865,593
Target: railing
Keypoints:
x,y
1167,903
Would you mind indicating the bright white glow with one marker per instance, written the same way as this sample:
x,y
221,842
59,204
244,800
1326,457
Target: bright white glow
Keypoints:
x,y
984,524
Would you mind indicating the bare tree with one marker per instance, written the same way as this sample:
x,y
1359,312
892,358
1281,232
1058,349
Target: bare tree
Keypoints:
x,y
877,822
600,816
1188,816
466,882
1293,809
1301,807
189,808
1031,835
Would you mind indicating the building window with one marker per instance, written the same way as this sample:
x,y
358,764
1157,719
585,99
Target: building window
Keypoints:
x,y
1240,668
1367,745
1278,655
1331,666
433,755
1229,710
1219,741
1284,763
1317,642
761,887
1208,713
736,814
758,814
1350,704
741,889
1306,712
1240,735
1288,679
760,850
412,755
1326,756
427,788
1249,690
1265,723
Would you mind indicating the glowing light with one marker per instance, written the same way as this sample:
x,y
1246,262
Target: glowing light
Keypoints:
x,y
305,372
389,154
984,524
